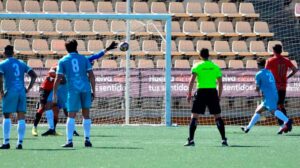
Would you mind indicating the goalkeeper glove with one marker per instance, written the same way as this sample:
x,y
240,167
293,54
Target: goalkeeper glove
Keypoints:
x,y
112,46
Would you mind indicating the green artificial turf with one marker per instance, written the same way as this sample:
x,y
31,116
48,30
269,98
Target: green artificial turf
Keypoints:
x,y
158,147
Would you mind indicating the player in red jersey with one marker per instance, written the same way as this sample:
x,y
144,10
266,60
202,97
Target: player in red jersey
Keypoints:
x,y
279,67
46,88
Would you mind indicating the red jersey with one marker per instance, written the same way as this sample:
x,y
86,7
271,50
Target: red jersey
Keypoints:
x,y
279,66
48,82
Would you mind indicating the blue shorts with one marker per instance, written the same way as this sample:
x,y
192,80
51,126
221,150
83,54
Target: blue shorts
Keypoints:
x,y
61,97
270,102
14,101
77,100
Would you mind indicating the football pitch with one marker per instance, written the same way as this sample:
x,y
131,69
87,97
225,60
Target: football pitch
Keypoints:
x,y
158,147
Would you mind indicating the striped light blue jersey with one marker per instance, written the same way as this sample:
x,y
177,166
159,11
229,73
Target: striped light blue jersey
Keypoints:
x,y
75,68
266,82
13,71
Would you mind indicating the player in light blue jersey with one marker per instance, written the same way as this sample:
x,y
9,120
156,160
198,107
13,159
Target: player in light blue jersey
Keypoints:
x,y
80,81
53,110
265,83
14,94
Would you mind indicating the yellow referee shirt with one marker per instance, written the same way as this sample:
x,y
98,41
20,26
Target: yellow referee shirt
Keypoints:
x,y
207,74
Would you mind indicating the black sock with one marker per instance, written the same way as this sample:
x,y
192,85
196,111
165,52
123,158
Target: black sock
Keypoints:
x,y
37,119
193,126
221,127
283,110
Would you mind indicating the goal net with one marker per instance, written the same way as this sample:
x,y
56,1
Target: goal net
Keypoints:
x,y
133,95
147,85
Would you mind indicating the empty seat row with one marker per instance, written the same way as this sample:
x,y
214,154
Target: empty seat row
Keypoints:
x,y
178,9
118,27
222,48
81,27
148,47
225,28
160,63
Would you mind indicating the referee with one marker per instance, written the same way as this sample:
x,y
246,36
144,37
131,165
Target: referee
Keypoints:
x,y
207,75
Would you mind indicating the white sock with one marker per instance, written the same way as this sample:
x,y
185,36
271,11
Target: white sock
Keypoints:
x,y
50,118
87,128
254,120
70,129
281,116
6,130
21,131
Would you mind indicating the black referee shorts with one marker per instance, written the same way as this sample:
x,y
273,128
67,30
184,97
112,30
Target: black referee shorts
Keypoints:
x,y
206,98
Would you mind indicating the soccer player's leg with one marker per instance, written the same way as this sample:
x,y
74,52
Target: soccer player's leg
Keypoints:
x,y
21,109
9,105
43,100
73,106
255,118
214,108
75,133
280,106
49,116
287,123
86,100
198,107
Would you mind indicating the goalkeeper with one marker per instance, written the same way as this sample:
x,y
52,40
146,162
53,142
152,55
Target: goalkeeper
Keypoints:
x,y
47,86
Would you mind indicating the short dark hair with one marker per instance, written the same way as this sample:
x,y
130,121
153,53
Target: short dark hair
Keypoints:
x,y
277,49
261,62
9,50
204,53
71,45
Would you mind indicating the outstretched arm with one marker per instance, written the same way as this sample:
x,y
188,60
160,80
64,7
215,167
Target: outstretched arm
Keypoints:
x,y
98,55
33,77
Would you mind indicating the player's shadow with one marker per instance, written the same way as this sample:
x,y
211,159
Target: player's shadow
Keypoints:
x,y
50,150
118,147
104,136
15,139
292,135
248,146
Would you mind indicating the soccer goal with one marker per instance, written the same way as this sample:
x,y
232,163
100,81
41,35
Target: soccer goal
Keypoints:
x,y
132,87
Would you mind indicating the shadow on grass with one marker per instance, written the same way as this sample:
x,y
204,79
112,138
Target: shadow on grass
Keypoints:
x,y
24,139
118,147
104,136
50,150
292,135
247,146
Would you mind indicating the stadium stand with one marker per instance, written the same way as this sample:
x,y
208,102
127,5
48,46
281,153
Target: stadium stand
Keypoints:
x,y
235,64
250,36
109,64
50,7
86,7
158,7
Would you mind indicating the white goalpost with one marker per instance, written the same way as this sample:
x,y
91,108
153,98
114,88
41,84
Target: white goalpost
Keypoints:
x,y
127,104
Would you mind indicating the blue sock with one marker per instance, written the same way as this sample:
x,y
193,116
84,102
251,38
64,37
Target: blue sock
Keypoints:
x,y
70,129
21,131
50,118
254,120
281,116
6,130
87,127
